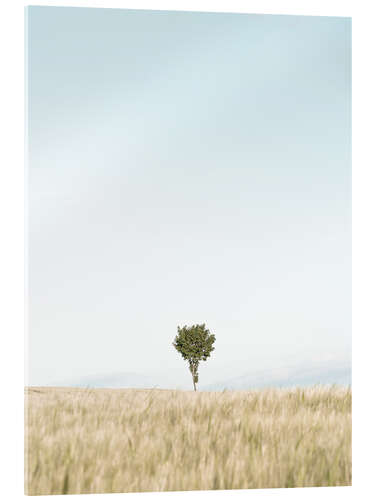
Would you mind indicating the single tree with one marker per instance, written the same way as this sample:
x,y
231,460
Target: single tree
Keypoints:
x,y
194,343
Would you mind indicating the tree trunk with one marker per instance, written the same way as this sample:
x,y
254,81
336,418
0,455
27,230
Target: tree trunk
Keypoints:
x,y
194,370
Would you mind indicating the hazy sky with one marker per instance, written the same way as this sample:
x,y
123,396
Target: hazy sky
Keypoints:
x,y
186,168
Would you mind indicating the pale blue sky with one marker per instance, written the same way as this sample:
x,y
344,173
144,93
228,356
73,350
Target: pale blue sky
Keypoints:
x,y
185,168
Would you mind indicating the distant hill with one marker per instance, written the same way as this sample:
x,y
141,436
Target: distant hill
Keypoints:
x,y
328,372
116,381
319,373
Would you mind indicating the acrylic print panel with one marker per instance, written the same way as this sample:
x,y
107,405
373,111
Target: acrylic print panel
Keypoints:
x,y
189,251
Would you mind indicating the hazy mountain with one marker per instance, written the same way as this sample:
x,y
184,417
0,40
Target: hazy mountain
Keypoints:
x,y
329,372
117,380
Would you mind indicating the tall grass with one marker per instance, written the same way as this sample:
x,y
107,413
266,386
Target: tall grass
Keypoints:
x,y
101,441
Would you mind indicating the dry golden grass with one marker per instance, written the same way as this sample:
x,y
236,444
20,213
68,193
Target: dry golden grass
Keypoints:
x,y
101,441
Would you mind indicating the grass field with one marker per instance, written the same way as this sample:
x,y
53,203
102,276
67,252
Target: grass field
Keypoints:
x,y
102,440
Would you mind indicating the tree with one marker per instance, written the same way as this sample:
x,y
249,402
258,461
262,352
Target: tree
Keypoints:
x,y
194,343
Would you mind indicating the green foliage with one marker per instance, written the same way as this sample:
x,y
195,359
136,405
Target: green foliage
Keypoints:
x,y
195,344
